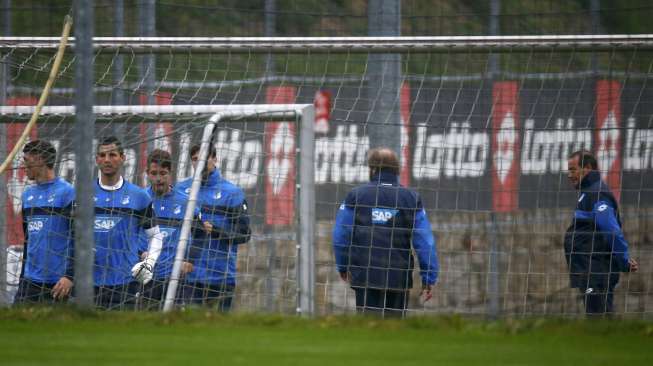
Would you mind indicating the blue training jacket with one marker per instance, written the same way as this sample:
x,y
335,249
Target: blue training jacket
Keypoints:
x,y
222,204
169,211
374,230
595,247
120,218
47,226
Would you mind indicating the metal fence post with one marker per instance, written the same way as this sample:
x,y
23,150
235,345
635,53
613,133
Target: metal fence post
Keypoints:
x,y
84,163
384,77
4,84
493,273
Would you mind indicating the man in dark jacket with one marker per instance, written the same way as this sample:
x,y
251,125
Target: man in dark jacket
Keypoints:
x,y
595,247
377,227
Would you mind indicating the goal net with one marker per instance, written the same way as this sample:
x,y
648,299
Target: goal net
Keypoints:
x,y
483,127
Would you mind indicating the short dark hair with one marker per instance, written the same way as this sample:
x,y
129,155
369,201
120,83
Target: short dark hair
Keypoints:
x,y
161,158
196,148
585,158
43,149
383,159
111,140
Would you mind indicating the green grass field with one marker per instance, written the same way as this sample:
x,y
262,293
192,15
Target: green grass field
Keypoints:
x,y
67,337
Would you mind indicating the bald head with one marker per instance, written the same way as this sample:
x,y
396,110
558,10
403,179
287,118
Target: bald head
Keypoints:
x,y
382,159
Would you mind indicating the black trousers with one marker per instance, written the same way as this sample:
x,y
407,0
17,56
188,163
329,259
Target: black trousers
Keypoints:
x,y
216,296
118,297
598,301
32,292
386,303
153,294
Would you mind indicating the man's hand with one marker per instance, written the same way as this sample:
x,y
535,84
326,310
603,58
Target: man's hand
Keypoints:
x,y
143,271
633,266
208,227
345,276
62,288
186,268
427,292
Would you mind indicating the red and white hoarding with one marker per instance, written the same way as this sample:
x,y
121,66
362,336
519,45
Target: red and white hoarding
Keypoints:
x,y
608,133
505,146
280,162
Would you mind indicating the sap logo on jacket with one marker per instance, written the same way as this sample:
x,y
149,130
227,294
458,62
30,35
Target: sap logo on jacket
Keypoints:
x,y
105,224
383,215
167,232
34,226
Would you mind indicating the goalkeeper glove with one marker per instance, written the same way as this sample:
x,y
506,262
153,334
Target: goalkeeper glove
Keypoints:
x,y
144,271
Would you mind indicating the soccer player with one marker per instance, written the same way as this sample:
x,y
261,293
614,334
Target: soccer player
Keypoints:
x,y
223,211
595,247
377,227
122,212
169,209
47,274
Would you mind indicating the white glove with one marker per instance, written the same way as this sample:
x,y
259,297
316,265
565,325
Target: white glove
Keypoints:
x,y
144,271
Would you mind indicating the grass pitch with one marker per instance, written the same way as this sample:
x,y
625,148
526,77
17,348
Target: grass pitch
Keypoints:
x,y
61,336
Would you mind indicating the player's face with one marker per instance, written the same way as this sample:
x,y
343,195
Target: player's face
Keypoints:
x,y
575,172
34,165
160,178
109,160
210,164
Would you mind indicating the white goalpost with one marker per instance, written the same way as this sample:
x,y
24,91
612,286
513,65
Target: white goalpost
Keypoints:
x,y
306,227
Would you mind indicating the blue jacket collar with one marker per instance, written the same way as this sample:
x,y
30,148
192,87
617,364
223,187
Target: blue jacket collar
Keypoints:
x,y
150,191
385,177
50,182
589,179
213,178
